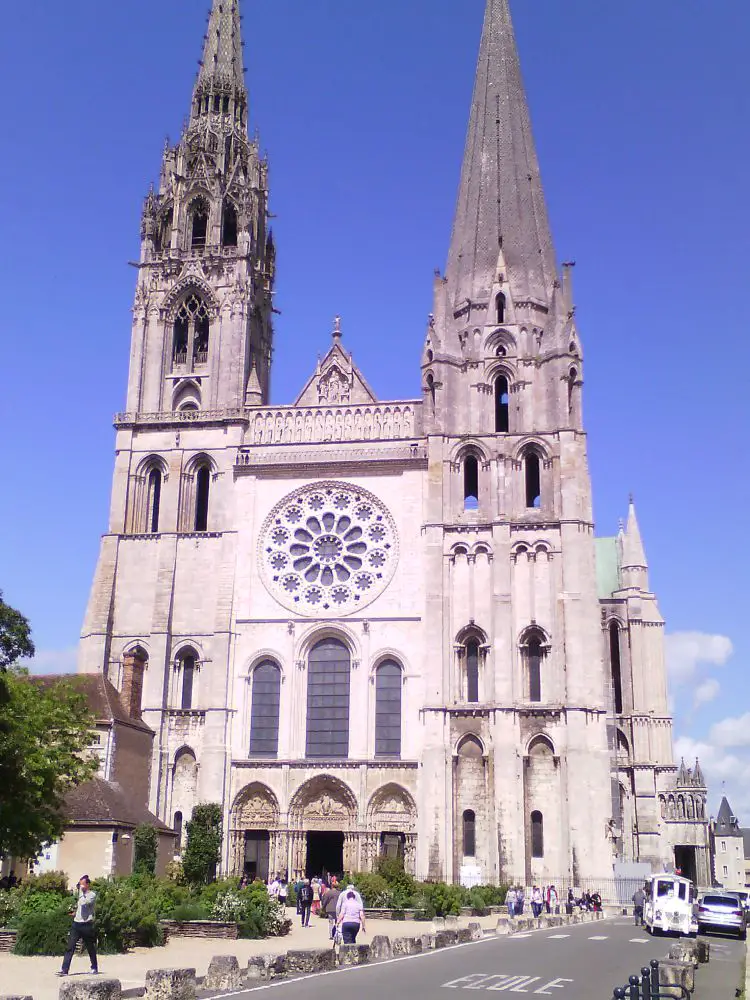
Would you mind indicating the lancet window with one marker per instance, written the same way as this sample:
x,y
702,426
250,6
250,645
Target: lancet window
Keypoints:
x,y
502,405
388,684
191,332
264,722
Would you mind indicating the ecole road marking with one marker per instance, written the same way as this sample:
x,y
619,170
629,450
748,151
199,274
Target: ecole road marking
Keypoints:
x,y
510,983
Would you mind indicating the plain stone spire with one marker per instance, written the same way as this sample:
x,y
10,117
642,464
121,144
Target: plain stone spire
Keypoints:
x,y
501,206
633,552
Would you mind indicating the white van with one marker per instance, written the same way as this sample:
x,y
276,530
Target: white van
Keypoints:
x,y
669,905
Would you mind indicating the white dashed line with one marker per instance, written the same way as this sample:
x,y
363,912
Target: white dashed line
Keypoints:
x,y
598,937
557,937
638,941
516,937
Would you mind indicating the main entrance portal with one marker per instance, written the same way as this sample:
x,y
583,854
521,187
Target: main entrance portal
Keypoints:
x,y
325,853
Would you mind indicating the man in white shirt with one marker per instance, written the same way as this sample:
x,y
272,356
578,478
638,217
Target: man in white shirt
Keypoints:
x,y
83,927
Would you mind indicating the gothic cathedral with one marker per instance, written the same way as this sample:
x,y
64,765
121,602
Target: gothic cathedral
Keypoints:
x,y
380,628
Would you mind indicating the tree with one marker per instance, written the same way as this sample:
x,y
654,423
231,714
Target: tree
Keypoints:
x,y
145,848
45,731
203,849
15,641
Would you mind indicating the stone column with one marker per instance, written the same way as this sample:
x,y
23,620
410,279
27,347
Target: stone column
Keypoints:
x,y
410,853
351,845
236,852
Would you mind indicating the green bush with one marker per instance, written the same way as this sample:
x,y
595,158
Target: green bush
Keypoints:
x,y
43,933
10,902
439,899
204,833
189,911
374,889
398,879
45,902
46,882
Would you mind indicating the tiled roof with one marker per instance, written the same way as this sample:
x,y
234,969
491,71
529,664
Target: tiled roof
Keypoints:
x,y
101,696
105,803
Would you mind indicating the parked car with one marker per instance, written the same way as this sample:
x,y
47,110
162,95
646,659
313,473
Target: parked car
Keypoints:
x,y
722,911
669,905
744,898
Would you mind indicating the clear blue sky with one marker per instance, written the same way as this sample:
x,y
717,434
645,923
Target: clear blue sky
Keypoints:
x,y
640,118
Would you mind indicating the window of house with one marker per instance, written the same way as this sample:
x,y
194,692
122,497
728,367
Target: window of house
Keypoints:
x,y
470,834
614,659
723,846
726,870
388,684
229,225
471,483
202,492
502,405
264,720
328,681
472,671
153,501
537,835
533,479
187,665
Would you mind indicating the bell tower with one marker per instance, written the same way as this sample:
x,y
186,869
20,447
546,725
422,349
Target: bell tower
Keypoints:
x,y
202,330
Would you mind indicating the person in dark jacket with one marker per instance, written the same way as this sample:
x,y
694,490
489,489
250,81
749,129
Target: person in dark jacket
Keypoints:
x,y
305,902
328,903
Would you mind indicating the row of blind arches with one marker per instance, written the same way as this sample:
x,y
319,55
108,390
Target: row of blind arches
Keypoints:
x,y
531,462
328,698
469,834
197,516
533,648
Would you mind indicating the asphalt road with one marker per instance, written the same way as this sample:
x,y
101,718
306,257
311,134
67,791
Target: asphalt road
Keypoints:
x,y
581,962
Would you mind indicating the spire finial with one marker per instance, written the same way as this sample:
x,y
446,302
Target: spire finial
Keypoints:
x,y
336,329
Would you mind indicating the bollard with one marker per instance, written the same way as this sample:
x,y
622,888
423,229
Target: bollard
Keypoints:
x,y
169,984
223,973
635,988
380,948
90,989
476,931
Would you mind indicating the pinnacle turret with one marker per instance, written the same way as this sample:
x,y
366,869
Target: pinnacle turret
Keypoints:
x,y
633,553
501,217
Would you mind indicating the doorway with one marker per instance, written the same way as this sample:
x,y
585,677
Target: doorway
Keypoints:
x,y
257,844
325,854
685,863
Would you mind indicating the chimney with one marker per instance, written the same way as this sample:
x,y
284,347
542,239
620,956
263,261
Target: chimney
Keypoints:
x,y
133,665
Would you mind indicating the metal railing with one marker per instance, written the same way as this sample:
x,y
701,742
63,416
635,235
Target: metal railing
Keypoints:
x,y
646,986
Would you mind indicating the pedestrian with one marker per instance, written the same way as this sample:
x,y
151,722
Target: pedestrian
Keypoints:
x,y
520,900
282,893
83,927
342,897
305,901
536,902
510,901
273,888
596,902
571,902
553,900
316,888
351,916
639,898
328,902
297,889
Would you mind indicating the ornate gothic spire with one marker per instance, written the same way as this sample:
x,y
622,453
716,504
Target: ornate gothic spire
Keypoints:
x,y
221,74
501,212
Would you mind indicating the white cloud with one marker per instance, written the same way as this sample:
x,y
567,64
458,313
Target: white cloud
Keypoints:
x,y
54,661
705,692
726,773
686,651
732,732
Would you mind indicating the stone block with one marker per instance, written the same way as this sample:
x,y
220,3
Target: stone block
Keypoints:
x,y
543,920
15,996
451,920
463,935
703,950
380,948
504,926
444,939
257,967
169,984
407,946
524,924
354,954
428,942
223,973
438,924
276,967
475,930
673,973
319,960
90,988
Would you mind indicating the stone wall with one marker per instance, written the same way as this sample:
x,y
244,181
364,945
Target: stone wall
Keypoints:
x,y
7,940
200,929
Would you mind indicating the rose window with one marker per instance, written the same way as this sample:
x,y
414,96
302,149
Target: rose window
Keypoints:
x,y
328,547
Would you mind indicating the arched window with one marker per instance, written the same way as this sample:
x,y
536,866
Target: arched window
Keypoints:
x,y
192,327
532,653
500,307
198,225
614,659
537,834
471,483
572,376
502,405
153,501
202,491
177,827
187,680
532,479
229,225
470,833
472,671
264,719
328,679
388,683
431,390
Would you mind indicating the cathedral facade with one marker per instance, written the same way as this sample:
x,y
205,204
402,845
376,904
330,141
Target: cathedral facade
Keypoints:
x,y
379,627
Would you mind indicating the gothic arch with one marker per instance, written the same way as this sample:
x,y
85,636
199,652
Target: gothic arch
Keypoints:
x,y
195,462
263,656
532,445
151,462
190,284
623,746
323,802
255,808
469,632
469,448
500,337
186,395
469,745
384,655
187,647
392,808
540,743
535,631
137,647
318,633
